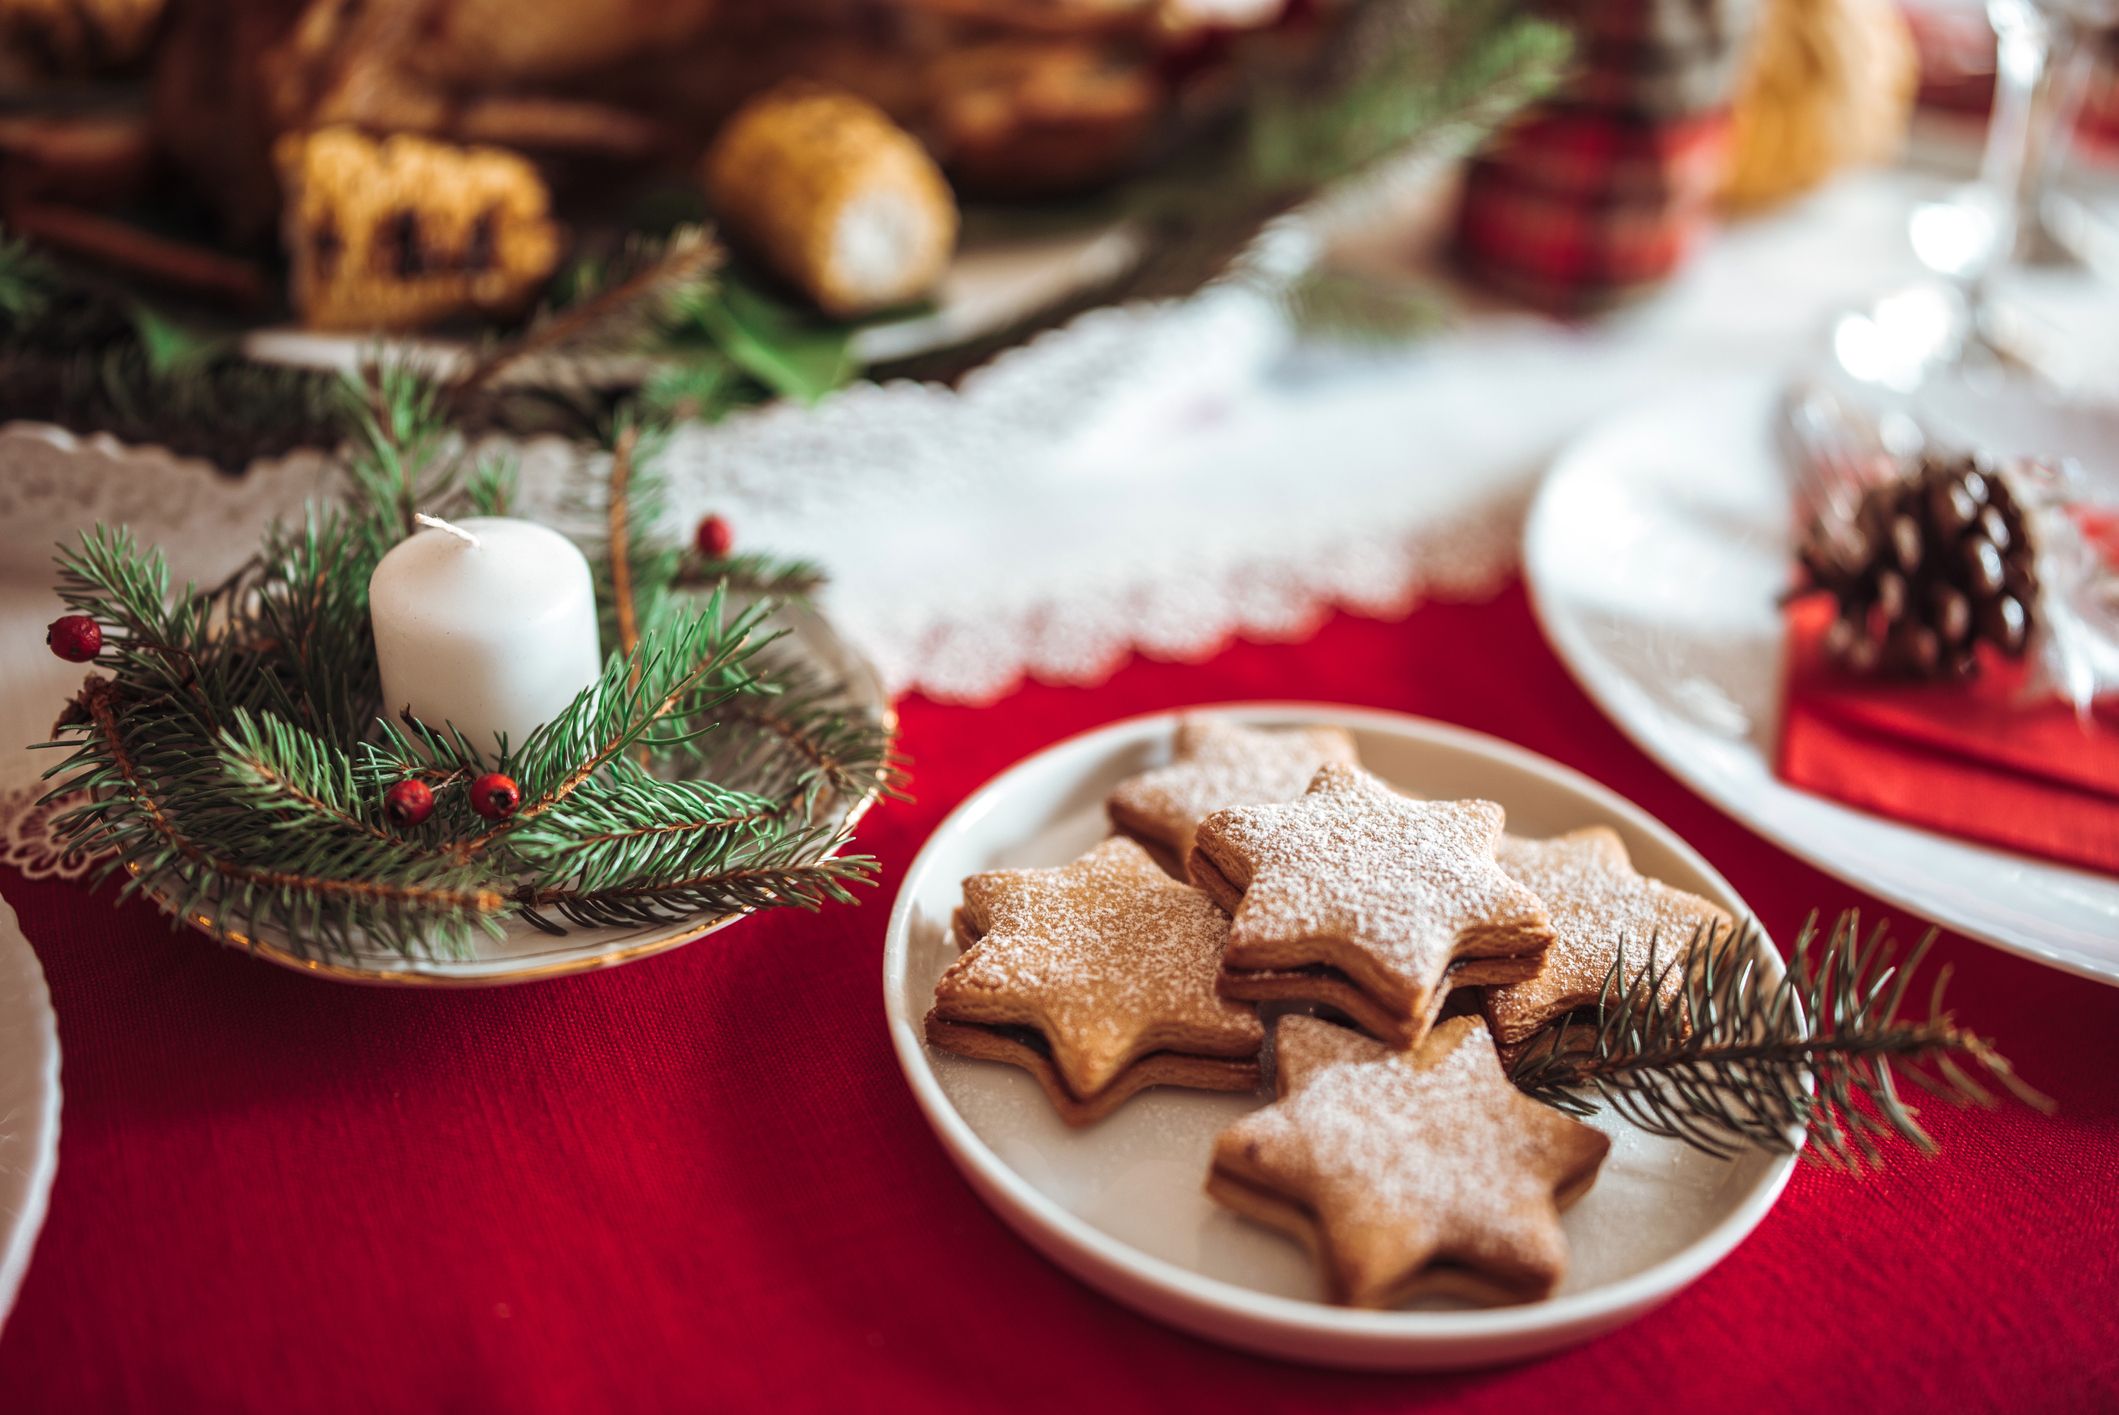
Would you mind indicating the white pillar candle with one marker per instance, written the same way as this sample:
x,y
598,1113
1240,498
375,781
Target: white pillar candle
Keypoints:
x,y
489,626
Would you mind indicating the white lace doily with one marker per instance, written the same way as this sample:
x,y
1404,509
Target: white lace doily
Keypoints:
x,y
1149,479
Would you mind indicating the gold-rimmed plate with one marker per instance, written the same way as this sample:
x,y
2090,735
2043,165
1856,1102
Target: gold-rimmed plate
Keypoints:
x,y
524,953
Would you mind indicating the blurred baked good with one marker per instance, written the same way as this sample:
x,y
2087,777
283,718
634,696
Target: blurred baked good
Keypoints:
x,y
1027,96
1016,117
1830,85
400,232
76,36
823,188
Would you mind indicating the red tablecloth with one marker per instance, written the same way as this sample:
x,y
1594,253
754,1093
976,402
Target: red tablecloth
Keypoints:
x,y
698,1181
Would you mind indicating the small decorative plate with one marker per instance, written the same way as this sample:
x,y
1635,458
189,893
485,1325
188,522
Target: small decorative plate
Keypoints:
x,y
1120,1204
29,1103
1654,554
524,953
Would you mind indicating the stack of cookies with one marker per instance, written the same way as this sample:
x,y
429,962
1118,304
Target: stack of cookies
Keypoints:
x,y
1409,949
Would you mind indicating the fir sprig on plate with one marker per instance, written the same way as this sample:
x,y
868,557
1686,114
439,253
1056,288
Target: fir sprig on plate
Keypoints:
x,y
233,762
793,745
616,308
1734,1058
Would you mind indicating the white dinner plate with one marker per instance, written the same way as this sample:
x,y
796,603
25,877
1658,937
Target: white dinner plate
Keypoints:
x,y
524,953
29,1103
1120,1204
1654,553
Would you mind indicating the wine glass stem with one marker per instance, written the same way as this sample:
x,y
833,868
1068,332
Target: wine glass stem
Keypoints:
x,y
2027,118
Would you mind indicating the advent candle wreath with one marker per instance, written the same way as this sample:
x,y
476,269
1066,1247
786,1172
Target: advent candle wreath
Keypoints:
x,y
238,758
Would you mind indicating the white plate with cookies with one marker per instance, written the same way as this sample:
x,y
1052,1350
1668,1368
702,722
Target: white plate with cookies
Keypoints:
x,y
1100,1156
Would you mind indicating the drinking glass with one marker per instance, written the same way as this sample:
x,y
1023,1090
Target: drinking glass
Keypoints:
x,y
1984,238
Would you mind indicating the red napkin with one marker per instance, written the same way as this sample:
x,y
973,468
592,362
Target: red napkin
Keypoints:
x,y
1967,759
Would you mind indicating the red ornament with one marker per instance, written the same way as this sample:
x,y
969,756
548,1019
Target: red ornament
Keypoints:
x,y
409,802
715,539
495,795
75,638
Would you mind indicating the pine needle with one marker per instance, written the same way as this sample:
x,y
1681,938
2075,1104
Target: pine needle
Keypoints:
x,y
1348,307
752,574
619,539
619,311
1820,1055
28,283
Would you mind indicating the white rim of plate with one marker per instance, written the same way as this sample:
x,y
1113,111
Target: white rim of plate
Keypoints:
x,y
1642,1289
21,1238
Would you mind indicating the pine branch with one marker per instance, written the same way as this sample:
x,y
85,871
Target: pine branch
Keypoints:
x,y
635,575
286,770
230,411
618,311
1734,1060
490,488
630,828
805,745
234,764
407,747
619,538
676,675
645,574
28,284
799,746
150,640
332,887
84,351
752,575
401,462
307,605
446,761
1347,307
1396,73
796,871
698,385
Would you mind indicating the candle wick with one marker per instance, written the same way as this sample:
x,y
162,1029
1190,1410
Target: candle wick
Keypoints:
x,y
436,523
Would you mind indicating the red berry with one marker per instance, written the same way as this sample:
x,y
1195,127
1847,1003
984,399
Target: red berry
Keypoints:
x,y
75,638
409,802
715,539
495,795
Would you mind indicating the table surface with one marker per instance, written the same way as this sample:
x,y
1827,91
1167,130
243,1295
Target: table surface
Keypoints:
x,y
699,1180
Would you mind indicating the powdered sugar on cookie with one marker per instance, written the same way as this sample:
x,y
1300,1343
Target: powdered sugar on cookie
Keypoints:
x,y
1354,868
1108,957
1599,903
1404,1158
1219,764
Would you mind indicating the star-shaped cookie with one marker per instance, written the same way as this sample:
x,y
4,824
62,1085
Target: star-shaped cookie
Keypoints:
x,y
1408,1173
1098,978
1598,902
1369,901
1215,764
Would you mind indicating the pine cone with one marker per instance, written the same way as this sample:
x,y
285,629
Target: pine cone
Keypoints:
x,y
1928,568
